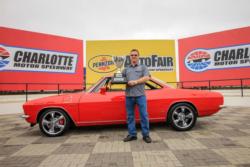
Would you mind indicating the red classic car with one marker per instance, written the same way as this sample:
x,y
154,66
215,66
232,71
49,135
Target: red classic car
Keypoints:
x,y
104,103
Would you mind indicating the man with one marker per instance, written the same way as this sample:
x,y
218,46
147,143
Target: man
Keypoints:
x,y
136,76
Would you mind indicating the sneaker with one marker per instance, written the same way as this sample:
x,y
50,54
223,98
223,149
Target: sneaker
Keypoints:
x,y
129,138
147,139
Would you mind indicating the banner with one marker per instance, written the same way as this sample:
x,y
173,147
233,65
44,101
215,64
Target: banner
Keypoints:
x,y
221,56
42,61
36,60
157,55
200,60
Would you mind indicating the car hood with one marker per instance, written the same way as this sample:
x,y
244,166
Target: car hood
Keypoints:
x,y
55,99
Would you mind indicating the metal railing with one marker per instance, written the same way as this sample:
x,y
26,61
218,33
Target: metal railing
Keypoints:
x,y
213,84
60,87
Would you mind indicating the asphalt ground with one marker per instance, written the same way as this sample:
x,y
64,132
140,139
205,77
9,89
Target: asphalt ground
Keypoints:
x,y
221,140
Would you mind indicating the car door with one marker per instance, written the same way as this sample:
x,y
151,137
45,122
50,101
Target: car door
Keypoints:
x,y
102,108
158,102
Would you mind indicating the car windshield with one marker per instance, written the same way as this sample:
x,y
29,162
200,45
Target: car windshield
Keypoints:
x,y
163,83
152,84
98,84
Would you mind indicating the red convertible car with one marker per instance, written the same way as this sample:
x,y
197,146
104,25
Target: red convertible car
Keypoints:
x,y
104,103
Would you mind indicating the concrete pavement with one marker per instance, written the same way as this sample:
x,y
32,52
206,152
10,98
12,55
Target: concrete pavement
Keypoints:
x,y
222,140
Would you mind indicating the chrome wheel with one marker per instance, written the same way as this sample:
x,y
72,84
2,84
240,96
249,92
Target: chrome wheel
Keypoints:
x,y
53,122
183,116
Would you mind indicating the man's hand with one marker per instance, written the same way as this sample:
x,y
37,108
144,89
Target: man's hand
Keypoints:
x,y
132,83
139,81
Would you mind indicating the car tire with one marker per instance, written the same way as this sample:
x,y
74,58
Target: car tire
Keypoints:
x,y
54,122
182,117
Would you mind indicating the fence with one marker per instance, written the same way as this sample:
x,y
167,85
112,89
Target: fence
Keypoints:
x,y
243,83
39,88
31,88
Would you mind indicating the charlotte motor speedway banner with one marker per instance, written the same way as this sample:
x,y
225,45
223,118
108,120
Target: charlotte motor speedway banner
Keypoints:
x,y
200,60
41,60
218,56
36,60
157,55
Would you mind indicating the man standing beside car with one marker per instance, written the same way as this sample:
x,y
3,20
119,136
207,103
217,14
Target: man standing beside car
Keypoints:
x,y
136,76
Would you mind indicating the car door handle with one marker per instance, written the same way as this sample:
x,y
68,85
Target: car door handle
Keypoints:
x,y
118,99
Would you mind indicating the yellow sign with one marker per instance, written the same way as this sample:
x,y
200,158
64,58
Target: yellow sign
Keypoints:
x,y
157,55
102,64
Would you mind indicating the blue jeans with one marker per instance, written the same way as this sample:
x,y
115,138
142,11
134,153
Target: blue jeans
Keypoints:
x,y
130,106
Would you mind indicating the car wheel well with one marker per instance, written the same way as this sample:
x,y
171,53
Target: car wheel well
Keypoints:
x,y
45,109
168,118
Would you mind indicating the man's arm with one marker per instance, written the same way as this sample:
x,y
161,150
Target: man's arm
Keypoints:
x,y
146,77
138,81
142,79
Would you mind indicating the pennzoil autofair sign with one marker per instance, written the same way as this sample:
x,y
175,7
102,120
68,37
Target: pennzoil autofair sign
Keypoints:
x,y
155,62
105,64
157,55
200,60
36,60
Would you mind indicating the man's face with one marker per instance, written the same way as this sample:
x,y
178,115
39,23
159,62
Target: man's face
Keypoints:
x,y
134,57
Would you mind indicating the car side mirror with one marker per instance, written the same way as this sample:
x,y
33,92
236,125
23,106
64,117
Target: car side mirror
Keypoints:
x,y
103,90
